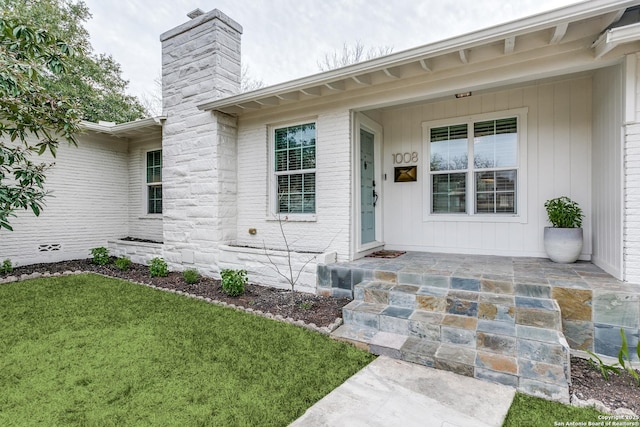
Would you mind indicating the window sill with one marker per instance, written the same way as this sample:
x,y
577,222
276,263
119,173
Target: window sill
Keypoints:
x,y
293,218
498,218
151,216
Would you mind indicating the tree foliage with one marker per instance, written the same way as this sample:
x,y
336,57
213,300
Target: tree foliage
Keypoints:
x,y
94,80
351,54
28,112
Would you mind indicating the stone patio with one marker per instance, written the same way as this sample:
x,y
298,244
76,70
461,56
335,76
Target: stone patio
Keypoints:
x,y
503,319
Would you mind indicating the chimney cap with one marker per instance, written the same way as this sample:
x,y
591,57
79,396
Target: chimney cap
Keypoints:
x,y
195,13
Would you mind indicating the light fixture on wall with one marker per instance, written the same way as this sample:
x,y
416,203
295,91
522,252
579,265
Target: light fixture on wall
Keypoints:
x,y
463,94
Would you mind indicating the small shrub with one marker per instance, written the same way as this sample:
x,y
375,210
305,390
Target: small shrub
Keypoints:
x,y
123,263
306,305
6,267
100,255
233,282
158,268
191,276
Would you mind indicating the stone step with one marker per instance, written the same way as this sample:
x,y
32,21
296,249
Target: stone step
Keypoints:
x,y
535,362
405,299
512,340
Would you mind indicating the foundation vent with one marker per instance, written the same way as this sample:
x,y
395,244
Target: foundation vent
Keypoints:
x,y
49,247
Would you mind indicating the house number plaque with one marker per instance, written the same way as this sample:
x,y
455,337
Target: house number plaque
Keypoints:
x,y
401,158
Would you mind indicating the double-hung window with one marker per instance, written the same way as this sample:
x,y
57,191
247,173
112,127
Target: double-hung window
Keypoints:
x,y
473,166
295,169
154,182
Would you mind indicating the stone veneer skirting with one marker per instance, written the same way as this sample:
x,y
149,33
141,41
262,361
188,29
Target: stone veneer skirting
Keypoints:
x,y
504,319
594,305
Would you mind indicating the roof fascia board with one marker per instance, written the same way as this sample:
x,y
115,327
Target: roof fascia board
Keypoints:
x,y
119,129
554,18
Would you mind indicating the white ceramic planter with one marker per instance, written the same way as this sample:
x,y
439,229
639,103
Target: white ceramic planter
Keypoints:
x,y
563,245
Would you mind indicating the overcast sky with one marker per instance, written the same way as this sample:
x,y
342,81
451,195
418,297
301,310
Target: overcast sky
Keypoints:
x,y
284,39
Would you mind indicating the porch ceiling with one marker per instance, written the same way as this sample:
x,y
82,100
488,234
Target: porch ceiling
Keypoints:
x,y
580,27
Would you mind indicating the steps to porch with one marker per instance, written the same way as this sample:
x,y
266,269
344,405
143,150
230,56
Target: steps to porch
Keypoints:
x,y
508,320
515,341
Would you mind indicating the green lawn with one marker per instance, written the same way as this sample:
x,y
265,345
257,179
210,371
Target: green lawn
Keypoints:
x,y
95,351
527,411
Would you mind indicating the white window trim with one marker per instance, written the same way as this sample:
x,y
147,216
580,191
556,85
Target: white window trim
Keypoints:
x,y
272,214
146,185
521,182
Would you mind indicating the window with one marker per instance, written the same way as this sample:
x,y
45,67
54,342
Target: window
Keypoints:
x,y
154,182
473,167
295,168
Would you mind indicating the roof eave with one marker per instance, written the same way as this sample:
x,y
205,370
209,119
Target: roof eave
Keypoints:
x,y
123,129
554,18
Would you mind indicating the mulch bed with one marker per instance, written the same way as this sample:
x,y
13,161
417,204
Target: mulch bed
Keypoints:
x,y
620,391
319,310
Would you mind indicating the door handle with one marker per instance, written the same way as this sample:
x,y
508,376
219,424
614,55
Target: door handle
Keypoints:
x,y
375,198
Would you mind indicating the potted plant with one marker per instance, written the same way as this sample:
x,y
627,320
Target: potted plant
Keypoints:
x,y
563,241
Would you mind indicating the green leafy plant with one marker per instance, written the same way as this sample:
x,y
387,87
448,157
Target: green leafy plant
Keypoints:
x,y
158,268
123,263
624,361
100,255
191,276
30,58
604,368
564,212
306,305
233,282
6,267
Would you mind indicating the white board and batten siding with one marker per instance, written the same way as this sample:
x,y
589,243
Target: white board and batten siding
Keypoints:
x,y
557,162
89,204
607,170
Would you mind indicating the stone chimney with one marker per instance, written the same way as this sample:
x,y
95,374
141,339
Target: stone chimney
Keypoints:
x,y
200,63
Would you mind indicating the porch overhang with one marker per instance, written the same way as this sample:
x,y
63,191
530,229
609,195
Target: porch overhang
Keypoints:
x,y
576,29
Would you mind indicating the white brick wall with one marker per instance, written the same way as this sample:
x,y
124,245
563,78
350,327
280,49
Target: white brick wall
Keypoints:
x,y
138,252
141,224
631,219
261,265
632,204
331,228
87,207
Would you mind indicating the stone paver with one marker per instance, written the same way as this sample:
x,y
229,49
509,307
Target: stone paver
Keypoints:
x,y
391,392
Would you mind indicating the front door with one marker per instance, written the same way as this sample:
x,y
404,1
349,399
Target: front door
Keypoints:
x,y
368,195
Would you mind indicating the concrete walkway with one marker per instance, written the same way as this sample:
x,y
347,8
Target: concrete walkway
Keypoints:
x,y
390,392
